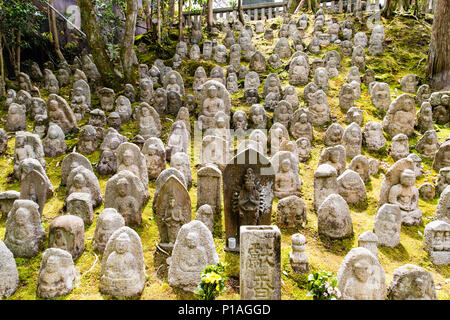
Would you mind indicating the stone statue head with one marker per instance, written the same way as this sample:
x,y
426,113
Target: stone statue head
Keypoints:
x,y
122,243
122,186
361,270
191,240
21,216
407,178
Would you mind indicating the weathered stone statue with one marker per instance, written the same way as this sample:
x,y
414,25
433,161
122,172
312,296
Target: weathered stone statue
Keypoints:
x,y
123,269
193,250
24,233
411,282
361,276
56,275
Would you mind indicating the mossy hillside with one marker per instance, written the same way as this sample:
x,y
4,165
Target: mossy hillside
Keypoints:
x,y
323,253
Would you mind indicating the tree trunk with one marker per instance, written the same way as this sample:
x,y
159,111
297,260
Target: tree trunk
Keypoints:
x,y
241,12
17,54
438,65
159,21
388,9
300,6
148,14
172,10
126,51
96,43
54,31
210,18
180,18
2,71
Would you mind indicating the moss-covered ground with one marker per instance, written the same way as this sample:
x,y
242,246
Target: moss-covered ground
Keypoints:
x,y
407,42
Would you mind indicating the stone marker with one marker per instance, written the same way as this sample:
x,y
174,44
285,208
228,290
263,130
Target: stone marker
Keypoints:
x,y
333,218
123,269
411,282
297,257
260,263
369,240
387,225
361,276
194,249
56,275
436,240
248,192
108,222
24,233
9,277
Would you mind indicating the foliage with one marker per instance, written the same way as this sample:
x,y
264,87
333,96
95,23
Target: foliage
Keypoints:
x,y
213,282
19,16
322,285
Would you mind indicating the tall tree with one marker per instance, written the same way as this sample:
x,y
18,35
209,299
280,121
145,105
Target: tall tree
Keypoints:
x,y
54,31
180,23
126,51
95,40
438,65
210,17
241,11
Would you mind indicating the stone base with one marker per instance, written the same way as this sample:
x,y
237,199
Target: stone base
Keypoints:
x,y
411,218
440,257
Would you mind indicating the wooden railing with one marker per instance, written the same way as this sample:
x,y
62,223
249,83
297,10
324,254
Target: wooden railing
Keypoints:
x,y
255,12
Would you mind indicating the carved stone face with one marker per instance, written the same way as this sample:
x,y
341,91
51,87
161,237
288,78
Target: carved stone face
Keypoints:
x,y
361,270
22,215
191,240
122,186
52,264
122,244
285,165
212,92
128,157
79,181
407,178
419,286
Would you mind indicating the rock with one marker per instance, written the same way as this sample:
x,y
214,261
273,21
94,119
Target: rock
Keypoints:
x,y
291,212
411,282
369,240
351,187
400,116
9,277
333,218
443,207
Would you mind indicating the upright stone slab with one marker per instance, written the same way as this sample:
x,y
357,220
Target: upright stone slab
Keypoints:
x,y
351,187
34,186
194,249
334,219
24,233
70,162
84,181
361,276
56,275
126,193
411,282
443,207
442,157
80,204
9,277
400,117
387,225
67,233
7,199
260,263
172,209
209,192
369,240
108,221
291,212
325,183
248,192
436,241
130,157
123,268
